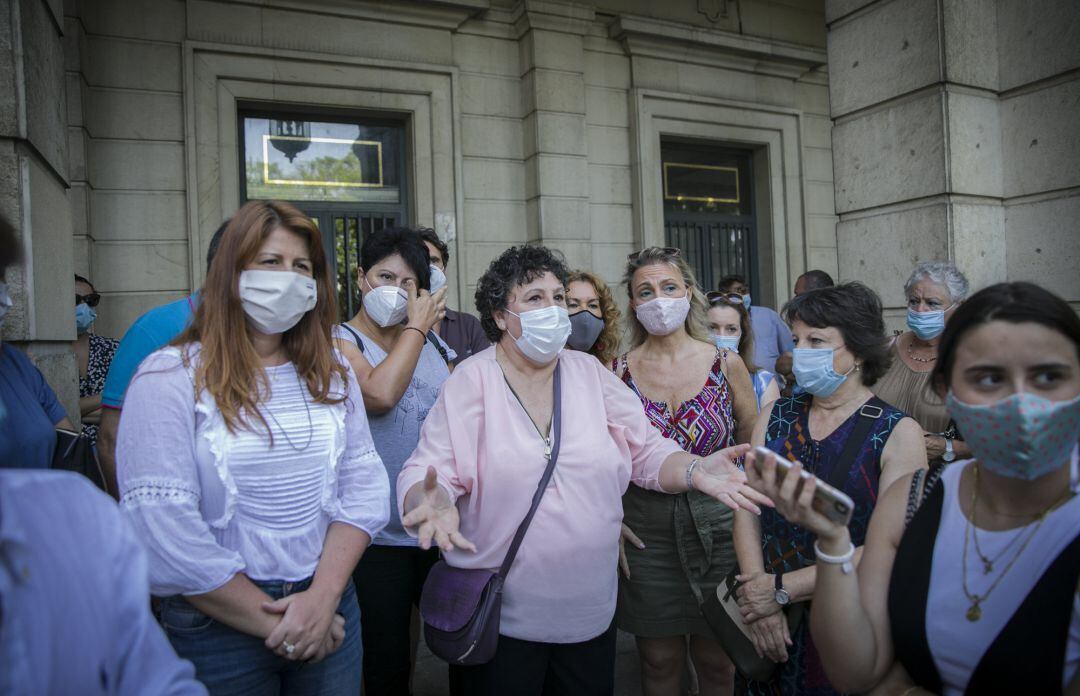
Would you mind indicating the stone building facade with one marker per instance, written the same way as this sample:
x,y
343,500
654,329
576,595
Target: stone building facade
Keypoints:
x,y
135,127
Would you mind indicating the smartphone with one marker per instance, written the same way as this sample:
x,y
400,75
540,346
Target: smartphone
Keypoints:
x,y
833,503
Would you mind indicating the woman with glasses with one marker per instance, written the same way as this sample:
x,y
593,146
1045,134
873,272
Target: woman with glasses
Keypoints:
x,y
729,325
934,291
93,355
702,399
845,436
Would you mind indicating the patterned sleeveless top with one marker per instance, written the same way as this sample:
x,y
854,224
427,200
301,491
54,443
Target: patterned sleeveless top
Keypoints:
x,y
788,435
701,425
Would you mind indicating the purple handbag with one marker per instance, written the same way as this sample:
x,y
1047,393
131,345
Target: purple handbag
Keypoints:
x,y
461,607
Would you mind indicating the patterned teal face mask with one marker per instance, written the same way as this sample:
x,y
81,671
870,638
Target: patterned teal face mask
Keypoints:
x,y
1022,436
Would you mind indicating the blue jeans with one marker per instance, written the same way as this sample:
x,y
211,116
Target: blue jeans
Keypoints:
x,y
230,662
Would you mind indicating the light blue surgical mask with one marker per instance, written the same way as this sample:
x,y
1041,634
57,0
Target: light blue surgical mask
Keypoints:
x,y
927,325
438,279
813,369
727,342
84,317
746,301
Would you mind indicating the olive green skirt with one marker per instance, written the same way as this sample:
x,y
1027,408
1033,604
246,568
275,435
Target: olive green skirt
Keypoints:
x,y
688,543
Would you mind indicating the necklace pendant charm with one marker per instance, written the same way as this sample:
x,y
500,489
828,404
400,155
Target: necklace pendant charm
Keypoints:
x,y
974,613
988,567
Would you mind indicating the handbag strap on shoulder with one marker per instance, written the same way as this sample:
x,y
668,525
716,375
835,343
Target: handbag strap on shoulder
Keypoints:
x,y
556,425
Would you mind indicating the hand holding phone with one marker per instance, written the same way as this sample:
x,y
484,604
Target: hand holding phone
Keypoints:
x,y
833,504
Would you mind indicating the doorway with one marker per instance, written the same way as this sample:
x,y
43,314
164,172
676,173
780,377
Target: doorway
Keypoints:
x,y
709,209
347,173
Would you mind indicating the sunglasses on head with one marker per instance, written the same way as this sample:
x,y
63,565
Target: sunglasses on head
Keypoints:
x,y
668,251
91,300
731,298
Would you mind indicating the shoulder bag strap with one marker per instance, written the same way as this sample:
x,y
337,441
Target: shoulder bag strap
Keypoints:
x,y
556,425
868,415
438,346
355,335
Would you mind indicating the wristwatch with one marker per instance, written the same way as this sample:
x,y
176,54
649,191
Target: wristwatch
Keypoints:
x,y
949,454
781,595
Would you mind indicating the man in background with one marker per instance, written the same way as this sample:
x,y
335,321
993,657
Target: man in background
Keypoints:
x,y
813,280
153,330
462,332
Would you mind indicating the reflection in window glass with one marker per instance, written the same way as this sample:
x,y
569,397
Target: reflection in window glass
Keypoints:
x,y
300,160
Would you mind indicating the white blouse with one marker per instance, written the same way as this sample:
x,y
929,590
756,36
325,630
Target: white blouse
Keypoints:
x,y
208,503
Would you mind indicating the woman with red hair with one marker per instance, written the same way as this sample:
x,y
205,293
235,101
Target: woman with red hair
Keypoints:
x,y
247,468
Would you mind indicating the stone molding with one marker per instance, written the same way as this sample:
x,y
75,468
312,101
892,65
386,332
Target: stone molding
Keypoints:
x,y
220,78
775,135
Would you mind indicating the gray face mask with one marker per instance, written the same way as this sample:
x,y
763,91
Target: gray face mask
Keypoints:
x,y
585,328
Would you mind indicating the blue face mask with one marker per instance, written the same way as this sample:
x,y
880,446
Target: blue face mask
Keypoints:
x,y
813,369
927,325
84,317
727,342
746,301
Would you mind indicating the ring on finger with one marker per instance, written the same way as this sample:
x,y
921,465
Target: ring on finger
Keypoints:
x,y
289,647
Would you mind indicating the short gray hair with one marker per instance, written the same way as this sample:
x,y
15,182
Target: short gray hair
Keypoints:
x,y
944,273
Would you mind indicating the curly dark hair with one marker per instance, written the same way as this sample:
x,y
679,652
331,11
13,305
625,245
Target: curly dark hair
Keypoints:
x,y
855,311
402,241
515,266
10,249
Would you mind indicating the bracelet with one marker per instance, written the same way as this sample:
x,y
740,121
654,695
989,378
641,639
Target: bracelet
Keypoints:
x,y
413,328
844,561
690,475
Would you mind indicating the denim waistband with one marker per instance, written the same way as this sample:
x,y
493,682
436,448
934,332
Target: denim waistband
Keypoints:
x,y
282,588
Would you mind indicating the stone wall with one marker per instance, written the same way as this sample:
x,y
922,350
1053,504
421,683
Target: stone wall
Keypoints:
x,y
955,136
34,170
541,135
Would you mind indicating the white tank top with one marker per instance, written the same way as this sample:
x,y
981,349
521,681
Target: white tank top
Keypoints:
x,y
958,644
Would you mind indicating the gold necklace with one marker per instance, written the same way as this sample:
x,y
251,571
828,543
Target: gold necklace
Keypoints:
x,y
974,612
988,563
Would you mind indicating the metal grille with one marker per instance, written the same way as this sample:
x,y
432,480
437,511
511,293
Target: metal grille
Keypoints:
x,y
714,247
346,232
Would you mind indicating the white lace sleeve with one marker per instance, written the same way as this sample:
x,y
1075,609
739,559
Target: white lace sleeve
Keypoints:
x,y
363,488
159,487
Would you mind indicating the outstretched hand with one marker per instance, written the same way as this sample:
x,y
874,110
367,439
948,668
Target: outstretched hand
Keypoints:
x,y
436,517
717,476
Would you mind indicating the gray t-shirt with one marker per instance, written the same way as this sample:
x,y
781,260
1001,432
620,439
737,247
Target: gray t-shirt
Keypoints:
x,y
397,431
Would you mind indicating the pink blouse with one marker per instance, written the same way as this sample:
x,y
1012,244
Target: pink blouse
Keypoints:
x,y
489,458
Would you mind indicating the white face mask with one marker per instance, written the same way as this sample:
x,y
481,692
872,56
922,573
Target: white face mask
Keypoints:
x,y
387,305
275,301
543,332
5,301
663,315
438,279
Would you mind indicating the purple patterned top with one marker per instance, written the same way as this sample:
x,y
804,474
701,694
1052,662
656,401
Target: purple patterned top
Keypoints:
x,y
701,425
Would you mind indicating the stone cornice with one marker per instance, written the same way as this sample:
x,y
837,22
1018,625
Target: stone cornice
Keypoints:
x,y
553,15
643,36
441,14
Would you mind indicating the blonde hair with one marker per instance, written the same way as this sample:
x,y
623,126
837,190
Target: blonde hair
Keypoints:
x,y
697,324
606,347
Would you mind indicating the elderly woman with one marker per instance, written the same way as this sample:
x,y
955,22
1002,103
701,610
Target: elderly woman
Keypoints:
x,y
844,435
483,450
594,316
729,325
968,585
934,291
701,398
